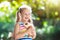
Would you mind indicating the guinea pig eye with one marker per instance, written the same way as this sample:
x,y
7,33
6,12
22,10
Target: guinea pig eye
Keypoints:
x,y
26,23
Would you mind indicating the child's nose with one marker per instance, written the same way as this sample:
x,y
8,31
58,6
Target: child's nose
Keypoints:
x,y
26,17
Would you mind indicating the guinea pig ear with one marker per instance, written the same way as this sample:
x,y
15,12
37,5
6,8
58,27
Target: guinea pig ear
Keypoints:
x,y
18,16
29,20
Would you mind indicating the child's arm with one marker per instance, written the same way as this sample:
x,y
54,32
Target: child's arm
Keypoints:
x,y
17,33
31,32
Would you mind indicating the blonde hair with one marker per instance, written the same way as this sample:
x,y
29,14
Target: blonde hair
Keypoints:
x,y
27,7
24,7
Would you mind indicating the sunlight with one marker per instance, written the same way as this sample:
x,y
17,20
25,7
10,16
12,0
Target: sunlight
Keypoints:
x,y
3,4
9,35
1,14
45,24
40,31
55,2
2,35
7,15
56,13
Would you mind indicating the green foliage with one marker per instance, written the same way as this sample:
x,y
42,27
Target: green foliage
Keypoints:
x,y
46,15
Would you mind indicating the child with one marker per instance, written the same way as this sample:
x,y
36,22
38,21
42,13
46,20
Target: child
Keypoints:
x,y
24,24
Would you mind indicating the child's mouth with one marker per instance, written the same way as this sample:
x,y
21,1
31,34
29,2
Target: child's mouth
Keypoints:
x,y
26,17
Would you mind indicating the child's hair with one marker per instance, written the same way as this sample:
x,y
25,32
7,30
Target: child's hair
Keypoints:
x,y
22,8
26,7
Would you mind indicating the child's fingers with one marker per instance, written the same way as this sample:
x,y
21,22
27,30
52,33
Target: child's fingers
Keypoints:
x,y
18,17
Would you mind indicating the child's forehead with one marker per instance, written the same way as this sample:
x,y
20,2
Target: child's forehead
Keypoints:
x,y
24,9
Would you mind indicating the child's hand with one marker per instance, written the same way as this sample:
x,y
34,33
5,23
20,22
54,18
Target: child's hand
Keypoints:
x,y
27,24
31,32
18,17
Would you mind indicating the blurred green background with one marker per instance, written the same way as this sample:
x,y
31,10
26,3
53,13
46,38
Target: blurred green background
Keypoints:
x,y
45,15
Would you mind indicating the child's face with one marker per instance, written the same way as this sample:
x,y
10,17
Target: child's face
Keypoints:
x,y
25,15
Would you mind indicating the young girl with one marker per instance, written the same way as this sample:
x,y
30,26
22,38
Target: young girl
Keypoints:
x,y
24,24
